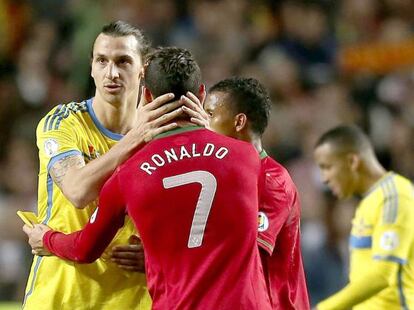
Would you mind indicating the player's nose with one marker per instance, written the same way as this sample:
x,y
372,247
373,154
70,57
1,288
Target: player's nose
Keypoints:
x,y
112,71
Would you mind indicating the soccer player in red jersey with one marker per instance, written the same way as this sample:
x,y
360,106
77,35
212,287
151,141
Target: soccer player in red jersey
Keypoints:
x,y
239,108
194,206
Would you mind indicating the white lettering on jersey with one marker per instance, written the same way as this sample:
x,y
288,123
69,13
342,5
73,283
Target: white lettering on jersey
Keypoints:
x,y
168,156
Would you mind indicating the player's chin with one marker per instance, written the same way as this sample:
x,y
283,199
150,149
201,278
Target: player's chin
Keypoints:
x,y
113,97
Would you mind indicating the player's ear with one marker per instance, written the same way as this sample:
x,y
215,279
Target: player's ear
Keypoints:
x,y
240,122
354,161
141,73
202,94
147,94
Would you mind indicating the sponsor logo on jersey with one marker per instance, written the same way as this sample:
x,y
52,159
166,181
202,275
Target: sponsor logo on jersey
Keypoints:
x,y
263,222
389,240
51,147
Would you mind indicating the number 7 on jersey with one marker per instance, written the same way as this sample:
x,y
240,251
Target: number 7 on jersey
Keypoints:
x,y
205,200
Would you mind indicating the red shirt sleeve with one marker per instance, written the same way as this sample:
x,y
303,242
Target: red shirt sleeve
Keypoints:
x,y
88,244
275,205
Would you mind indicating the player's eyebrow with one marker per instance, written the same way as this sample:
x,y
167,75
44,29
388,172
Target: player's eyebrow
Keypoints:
x,y
117,57
100,55
124,57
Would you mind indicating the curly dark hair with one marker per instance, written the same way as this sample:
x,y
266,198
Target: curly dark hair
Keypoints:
x,y
247,96
172,69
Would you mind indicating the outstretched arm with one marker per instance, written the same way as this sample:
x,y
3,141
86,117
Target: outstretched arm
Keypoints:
x,y
86,245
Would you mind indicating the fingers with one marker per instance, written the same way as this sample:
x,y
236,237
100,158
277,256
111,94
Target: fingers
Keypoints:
x,y
159,101
159,112
135,263
133,256
133,268
199,122
128,248
193,105
156,131
194,99
167,117
197,118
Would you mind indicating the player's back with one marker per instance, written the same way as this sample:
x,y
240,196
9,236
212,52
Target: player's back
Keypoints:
x,y
193,197
279,237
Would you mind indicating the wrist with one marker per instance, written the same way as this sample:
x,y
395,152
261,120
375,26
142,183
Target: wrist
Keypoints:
x,y
47,239
132,140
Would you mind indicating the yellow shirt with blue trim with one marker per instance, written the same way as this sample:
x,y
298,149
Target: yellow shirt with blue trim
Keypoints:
x,y
383,229
72,129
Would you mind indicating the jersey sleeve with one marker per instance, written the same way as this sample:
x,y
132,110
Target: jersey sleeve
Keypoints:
x,y
56,137
394,233
88,244
274,209
375,279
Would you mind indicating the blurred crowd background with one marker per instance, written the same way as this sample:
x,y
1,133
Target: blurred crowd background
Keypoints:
x,y
324,63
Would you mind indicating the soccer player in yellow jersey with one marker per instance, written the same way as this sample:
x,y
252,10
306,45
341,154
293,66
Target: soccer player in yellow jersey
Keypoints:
x,y
382,236
80,145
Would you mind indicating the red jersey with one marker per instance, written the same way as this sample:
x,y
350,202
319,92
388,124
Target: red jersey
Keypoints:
x,y
279,237
193,196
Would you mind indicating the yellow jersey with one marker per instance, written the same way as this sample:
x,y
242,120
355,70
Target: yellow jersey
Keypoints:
x,y
66,130
383,229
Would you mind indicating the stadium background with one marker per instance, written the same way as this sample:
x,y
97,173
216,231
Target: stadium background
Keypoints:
x,y
324,63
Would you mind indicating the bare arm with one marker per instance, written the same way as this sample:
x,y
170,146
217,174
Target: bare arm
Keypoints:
x,y
81,183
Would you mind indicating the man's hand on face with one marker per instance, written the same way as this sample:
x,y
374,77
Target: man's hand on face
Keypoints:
x,y
131,256
35,235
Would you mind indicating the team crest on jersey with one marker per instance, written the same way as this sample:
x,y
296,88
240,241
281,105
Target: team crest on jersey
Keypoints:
x,y
389,240
263,222
51,147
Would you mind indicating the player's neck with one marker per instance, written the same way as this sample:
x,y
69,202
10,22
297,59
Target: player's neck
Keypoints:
x,y
252,138
257,143
118,118
372,174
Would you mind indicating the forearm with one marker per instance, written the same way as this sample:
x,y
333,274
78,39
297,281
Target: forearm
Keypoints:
x,y
82,184
358,291
65,247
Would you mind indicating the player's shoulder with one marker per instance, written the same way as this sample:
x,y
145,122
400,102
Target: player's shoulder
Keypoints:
x,y
403,184
276,170
62,114
391,185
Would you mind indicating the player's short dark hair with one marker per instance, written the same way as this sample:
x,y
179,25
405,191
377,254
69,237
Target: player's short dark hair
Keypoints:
x,y
122,29
247,96
172,70
345,139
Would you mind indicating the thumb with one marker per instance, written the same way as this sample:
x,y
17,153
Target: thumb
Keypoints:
x,y
27,229
134,239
